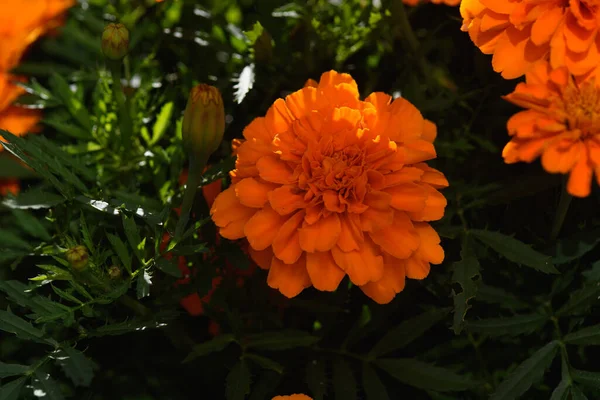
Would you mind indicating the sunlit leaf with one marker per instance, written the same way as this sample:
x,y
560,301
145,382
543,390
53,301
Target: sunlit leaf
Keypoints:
x,y
244,83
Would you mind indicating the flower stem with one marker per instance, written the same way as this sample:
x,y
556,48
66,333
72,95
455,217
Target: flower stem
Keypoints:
x,y
191,186
561,212
405,28
123,105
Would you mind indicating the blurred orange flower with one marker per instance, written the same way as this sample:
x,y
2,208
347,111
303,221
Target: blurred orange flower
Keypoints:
x,y
561,124
520,32
9,186
327,185
293,397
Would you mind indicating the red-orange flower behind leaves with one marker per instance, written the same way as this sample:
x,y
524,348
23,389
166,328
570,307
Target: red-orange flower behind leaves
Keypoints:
x,y
561,124
327,185
521,32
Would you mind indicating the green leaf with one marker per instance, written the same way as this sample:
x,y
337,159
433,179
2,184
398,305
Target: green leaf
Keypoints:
x,y
125,327
561,392
466,274
10,240
575,247
170,267
577,394
85,233
71,130
512,326
77,367
580,300
31,225
12,390
424,376
500,297
23,329
162,123
133,236
238,382
586,378
210,346
34,199
515,250
281,340
344,384
66,295
407,331
7,370
316,378
255,33
60,89
47,384
121,250
373,387
265,362
264,387
585,336
144,280
526,374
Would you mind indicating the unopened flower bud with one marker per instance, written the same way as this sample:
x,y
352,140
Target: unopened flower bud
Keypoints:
x,y
203,122
78,257
115,41
114,272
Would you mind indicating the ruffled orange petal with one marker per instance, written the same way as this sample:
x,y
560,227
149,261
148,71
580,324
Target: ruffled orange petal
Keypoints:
x,y
325,274
289,279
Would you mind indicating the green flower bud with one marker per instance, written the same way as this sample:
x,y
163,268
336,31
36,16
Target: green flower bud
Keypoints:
x,y
115,41
203,122
78,257
114,272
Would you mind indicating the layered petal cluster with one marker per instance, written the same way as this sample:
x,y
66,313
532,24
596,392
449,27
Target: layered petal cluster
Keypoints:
x,y
521,32
327,185
21,23
561,124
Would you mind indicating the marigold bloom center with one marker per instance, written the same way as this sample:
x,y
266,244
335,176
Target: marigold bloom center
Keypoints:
x,y
581,105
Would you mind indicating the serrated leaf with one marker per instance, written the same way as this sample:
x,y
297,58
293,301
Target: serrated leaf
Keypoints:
x,y
585,336
7,370
66,295
265,362
12,390
23,329
512,326
238,381
577,394
500,297
407,331
125,327
586,378
573,248
34,199
121,250
373,387
170,267
244,83
85,233
580,299
515,250
9,239
281,340
133,236
216,344
68,129
344,383
316,378
526,374
31,225
424,376
77,367
466,274
60,89
45,382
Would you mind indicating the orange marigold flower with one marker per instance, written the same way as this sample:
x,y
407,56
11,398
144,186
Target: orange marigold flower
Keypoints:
x,y
19,28
293,397
327,185
14,119
520,32
561,124
9,186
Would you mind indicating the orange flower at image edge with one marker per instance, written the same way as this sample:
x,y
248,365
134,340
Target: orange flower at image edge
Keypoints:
x,y
9,186
293,397
327,185
561,124
14,119
521,32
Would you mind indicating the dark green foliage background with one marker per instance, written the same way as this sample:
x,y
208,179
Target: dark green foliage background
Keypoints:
x,y
511,313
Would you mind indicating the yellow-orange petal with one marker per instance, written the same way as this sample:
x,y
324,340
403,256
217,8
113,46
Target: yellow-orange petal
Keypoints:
x,y
263,227
391,283
262,258
435,205
324,273
271,169
363,265
252,192
230,215
351,234
580,178
286,245
289,279
322,235
286,199
408,197
400,239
